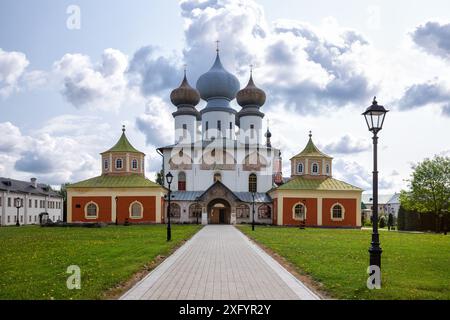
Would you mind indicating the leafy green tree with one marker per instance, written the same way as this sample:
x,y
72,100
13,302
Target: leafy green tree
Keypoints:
x,y
429,187
160,177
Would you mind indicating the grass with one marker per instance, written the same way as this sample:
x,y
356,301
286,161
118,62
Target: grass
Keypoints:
x,y
414,266
34,260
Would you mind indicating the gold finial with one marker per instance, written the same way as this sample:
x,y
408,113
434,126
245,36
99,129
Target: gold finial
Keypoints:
x,y
217,45
123,128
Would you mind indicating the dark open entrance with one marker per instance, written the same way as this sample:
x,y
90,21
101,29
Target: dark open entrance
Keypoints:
x,y
219,212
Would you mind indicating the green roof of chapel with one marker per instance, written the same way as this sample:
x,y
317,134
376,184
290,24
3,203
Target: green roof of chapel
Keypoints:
x,y
303,183
123,145
108,181
311,150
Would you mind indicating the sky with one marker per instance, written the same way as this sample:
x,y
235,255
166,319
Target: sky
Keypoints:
x,y
73,72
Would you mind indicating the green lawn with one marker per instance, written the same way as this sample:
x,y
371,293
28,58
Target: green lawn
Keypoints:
x,y
414,266
34,260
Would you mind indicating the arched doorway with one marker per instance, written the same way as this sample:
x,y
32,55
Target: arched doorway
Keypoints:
x,y
219,212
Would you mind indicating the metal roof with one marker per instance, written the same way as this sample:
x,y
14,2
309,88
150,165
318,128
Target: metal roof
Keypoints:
x,y
11,185
260,197
302,183
108,181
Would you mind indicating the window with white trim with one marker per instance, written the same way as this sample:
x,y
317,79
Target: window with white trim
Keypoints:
x,y
134,164
337,212
119,164
315,168
91,210
299,212
300,168
327,169
106,164
136,210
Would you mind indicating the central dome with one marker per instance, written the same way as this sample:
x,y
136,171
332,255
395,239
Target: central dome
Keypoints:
x,y
218,83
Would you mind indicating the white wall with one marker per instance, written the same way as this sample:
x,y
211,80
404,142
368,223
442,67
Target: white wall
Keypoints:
x,y
225,118
245,132
29,214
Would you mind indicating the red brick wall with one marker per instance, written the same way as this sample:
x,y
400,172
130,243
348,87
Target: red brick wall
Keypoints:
x,y
104,209
123,209
311,210
349,215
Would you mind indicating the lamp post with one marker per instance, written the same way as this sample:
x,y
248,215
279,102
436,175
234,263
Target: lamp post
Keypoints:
x,y
196,208
374,116
253,212
169,178
18,204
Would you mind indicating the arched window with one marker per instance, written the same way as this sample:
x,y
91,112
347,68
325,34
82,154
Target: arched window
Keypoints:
x,y
327,169
264,212
252,183
195,210
300,168
242,211
337,212
299,212
134,164
136,210
181,181
106,164
217,177
91,210
175,210
315,168
119,164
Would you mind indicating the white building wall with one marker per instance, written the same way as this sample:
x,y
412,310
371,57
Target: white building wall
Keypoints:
x,y
236,180
245,132
191,125
29,214
225,118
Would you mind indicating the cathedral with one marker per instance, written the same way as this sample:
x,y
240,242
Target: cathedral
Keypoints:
x,y
225,169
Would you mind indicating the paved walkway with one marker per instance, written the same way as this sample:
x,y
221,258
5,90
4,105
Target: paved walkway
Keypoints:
x,y
219,263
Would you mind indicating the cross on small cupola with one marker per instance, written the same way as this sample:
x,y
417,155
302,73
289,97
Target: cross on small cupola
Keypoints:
x,y
123,128
310,133
217,45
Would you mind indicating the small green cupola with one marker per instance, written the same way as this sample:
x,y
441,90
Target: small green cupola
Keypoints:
x,y
311,162
123,158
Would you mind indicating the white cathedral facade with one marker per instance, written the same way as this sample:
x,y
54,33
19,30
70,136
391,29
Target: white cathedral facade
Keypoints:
x,y
222,163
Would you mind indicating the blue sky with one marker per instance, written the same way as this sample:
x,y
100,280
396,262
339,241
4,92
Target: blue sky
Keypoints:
x,y
64,94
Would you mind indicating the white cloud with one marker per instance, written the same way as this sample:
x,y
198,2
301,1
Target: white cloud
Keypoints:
x,y
65,149
12,67
102,85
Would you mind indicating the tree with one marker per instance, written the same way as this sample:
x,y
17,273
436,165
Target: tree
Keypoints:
x,y
429,187
390,221
160,177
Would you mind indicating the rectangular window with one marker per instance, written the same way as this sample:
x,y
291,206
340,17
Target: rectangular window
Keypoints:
x,y
206,129
30,203
184,130
9,219
219,126
35,203
29,218
106,164
231,130
0,202
9,202
252,133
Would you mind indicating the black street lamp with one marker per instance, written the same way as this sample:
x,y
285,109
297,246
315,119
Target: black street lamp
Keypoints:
x,y
169,178
253,212
18,204
374,116
197,200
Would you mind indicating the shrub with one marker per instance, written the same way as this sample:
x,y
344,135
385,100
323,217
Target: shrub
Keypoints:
x,y
382,222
